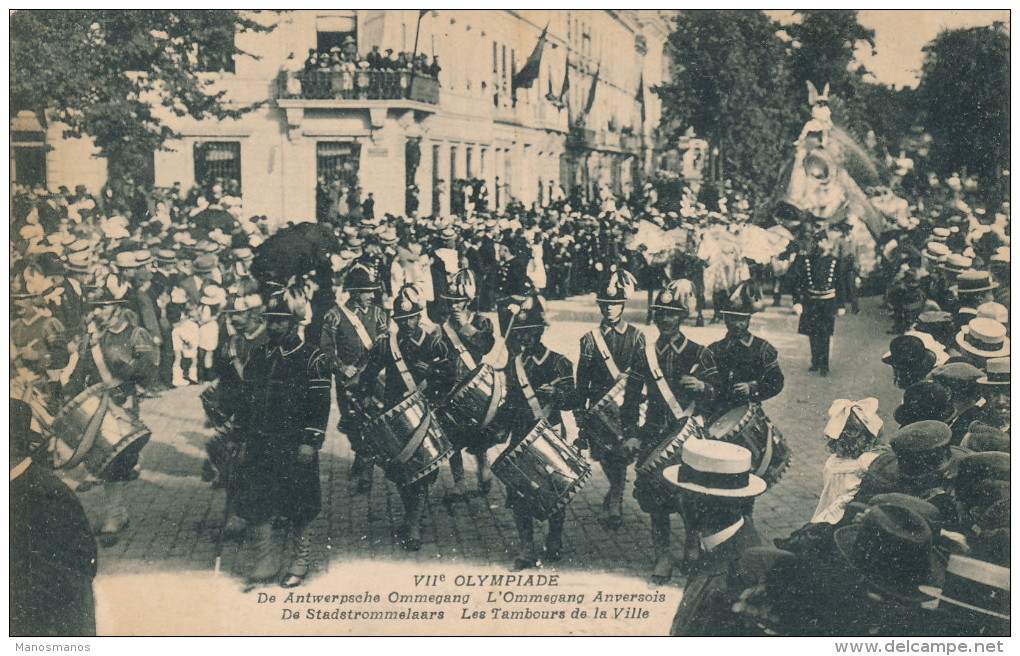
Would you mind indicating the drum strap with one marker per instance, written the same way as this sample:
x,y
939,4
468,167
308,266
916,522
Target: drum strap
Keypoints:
x,y
359,327
398,360
529,393
104,371
662,385
88,438
497,396
416,439
607,357
465,355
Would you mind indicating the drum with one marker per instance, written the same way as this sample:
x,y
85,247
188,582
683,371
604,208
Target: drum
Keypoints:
x,y
542,471
212,403
478,396
747,426
408,439
667,452
93,430
602,421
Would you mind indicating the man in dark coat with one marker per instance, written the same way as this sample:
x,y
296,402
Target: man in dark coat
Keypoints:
x,y
612,349
682,381
282,422
714,480
540,383
820,285
410,360
53,551
469,337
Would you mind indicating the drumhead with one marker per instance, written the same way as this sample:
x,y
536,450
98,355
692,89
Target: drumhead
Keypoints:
x,y
726,424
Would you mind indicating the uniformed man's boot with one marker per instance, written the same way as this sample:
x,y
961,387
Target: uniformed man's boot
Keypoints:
x,y
459,492
413,497
266,565
116,513
554,540
300,559
484,473
526,557
613,502
662,572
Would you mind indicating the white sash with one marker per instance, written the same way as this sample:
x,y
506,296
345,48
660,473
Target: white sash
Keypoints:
x,y
398,360
603,349
465,355
529,393
359,327
662,385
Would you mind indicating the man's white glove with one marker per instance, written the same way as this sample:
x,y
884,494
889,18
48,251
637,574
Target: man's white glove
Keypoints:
x,y
798,309
841,312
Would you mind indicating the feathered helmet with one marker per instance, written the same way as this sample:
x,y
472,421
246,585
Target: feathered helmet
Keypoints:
x,y
743,301
359,279
462,286
408,302
677,296
615,286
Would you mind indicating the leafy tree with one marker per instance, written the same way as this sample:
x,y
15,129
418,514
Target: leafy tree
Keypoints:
x,y
965,90
729,80
104,73
823,47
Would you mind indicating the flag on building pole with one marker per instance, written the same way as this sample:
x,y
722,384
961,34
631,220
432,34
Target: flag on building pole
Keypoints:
x,y
566,81
524,78
641,96
583,117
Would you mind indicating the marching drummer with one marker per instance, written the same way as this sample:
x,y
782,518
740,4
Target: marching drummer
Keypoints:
x,y
468,336
540,384
350,329
411,359
282,415
611,349
682,380
748,365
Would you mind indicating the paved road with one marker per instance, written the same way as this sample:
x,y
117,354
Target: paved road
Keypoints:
x,y
175,517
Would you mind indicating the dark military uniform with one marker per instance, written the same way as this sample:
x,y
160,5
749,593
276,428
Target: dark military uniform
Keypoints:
x,y
820,285
626,345
284,405
476,338
756,363
542,367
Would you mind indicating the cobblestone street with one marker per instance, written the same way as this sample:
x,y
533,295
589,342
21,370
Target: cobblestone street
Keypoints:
x,y
175,517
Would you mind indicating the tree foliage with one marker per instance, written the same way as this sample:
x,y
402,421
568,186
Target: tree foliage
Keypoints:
x,y
965,92
823,47
104,73
730,82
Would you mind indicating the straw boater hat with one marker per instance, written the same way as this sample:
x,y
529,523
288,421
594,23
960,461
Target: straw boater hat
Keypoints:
x,y
975,585
940,234
984,337
213,295
715,468
973,282
996,372
993,310
936,251
956,263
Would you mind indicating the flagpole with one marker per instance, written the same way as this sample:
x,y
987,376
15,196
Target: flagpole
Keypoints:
x,y
414,55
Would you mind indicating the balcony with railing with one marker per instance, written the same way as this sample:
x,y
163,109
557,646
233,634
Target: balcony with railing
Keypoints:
x,y
362,85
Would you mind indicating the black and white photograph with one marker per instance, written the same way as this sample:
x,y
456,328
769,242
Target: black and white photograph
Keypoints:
x,y
543,322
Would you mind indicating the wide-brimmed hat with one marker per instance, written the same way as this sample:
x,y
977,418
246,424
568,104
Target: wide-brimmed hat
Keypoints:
x,y
993,310
909,350
996,372
677,296
742,301
975,585
940,234
408,302
213,295
715,468
360,279
616,284
973,282
462,286
892,548
166,256
984,337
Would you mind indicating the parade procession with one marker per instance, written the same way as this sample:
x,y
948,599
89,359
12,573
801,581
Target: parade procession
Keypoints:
x,y
605,371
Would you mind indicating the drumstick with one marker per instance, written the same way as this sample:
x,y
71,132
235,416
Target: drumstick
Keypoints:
x,y
494,356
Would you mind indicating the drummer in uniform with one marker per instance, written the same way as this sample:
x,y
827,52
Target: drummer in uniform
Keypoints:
x,y
282,414
411,359
540,384
350,329
682,380
469,337
611,349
